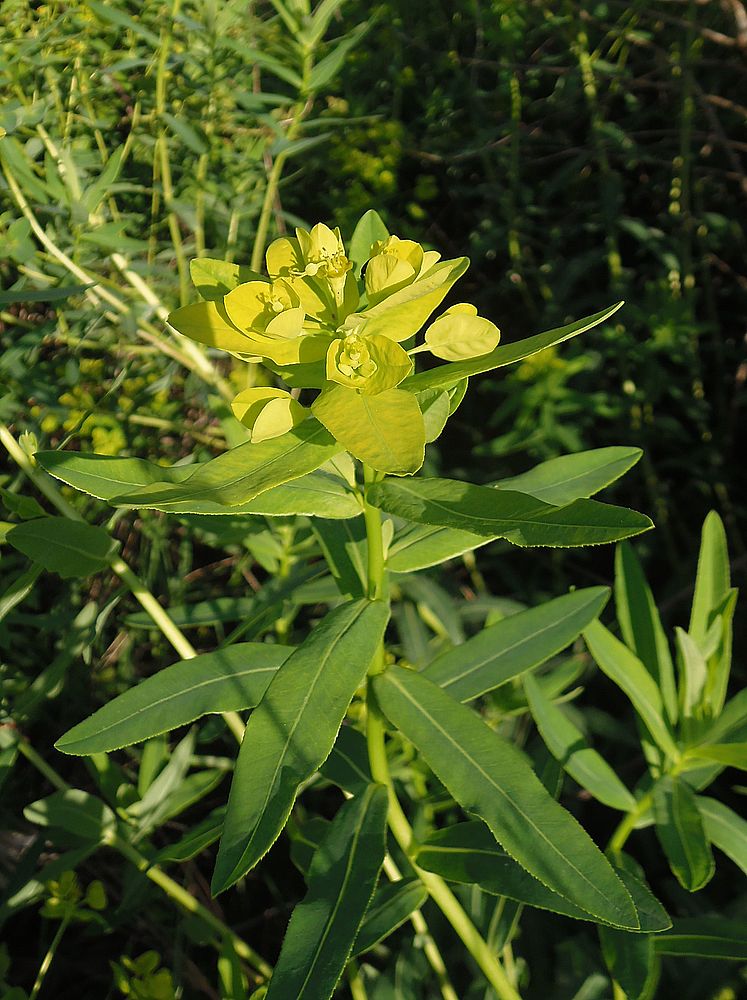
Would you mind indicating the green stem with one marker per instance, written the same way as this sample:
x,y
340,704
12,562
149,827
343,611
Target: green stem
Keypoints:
x,y
47,961
398,823
160,616
430,948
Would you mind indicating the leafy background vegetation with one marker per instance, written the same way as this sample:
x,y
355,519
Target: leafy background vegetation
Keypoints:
x,y
579,153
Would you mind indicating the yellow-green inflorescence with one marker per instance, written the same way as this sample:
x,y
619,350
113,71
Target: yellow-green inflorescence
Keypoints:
x,y
321,320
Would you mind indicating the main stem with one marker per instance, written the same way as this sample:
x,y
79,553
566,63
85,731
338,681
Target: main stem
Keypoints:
x,y
438,890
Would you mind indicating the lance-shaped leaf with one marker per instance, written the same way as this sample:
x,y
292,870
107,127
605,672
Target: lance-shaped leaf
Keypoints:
x,y
631,961
448,375
712,582
467,853
641,626
679,827
385,431
292,731
725,829
242,473
568,478
60,545
519,517
515,644
319,494
391,905
493,780
626,670
347,764
705,937
568,746
227,680
341,881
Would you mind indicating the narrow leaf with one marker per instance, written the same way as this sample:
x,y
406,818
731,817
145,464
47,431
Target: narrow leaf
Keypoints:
x,y
242,473
567,744
626,670
520,518
725,829
341,881
705,937
493,780
448,375
712,581
515,644
391,905
467,853
562,480
228,680
641,626
679,827
292,731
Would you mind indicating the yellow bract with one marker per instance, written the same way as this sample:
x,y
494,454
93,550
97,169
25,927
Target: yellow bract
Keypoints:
x,y
370,364
267,412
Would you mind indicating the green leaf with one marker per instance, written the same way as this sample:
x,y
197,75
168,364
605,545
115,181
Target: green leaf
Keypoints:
x,y
76,812
467,853
227,680
242,473
568,746
41,294
369,230
198,839
520,518
420,546
327,68
215,278
728,754
60,545
347,764
341,881
562,480
435,407
385,431
626,670
22,506
317,494
515,644
446,376
641,626
493,780
712,581
679,827
292,731
186,132
391,905
345,550
631,961
725,829
693,674
705,937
